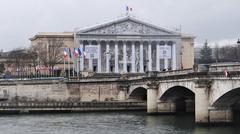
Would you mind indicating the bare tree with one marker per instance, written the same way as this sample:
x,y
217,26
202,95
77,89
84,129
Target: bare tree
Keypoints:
x,y
19,60
50,54
33,59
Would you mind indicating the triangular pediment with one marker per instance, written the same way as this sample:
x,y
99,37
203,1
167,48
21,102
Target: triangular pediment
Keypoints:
x,y
127,26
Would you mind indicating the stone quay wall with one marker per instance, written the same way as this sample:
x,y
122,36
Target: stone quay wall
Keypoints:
x,y
58,90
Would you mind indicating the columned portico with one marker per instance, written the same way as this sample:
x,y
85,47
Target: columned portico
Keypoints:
x,y
128,46
137,64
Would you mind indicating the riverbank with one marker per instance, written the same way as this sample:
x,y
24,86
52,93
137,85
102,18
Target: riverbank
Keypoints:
x,y
68,107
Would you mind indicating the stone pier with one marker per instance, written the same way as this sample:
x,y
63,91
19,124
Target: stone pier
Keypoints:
x,y
201,102
152,93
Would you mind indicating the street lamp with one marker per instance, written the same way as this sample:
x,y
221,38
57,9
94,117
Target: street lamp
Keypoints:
x,y
238,47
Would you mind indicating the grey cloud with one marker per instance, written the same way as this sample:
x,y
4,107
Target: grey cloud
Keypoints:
x,y
207,19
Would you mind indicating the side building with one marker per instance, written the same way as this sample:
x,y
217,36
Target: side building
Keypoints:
x,y
43,41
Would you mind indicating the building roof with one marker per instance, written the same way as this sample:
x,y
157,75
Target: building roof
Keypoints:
x,y
187,36
52,34
119,25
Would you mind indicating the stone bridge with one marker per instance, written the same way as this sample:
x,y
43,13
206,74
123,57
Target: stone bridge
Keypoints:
x,y
208,92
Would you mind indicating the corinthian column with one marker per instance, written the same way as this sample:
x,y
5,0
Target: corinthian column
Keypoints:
x,y
141,57
116,57
99,58
157,58
174,56
107,57
82,57
90,63
133,58
149,56
124,57
166,60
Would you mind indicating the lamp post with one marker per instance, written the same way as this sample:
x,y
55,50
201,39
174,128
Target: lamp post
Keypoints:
x,y
238,47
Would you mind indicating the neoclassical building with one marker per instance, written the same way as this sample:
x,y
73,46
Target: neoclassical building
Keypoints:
x,y
129,45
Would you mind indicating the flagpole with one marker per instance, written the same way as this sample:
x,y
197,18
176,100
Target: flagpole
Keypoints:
x,y
68,68
64,67
77,66
73,66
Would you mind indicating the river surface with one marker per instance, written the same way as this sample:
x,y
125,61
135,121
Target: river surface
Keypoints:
x,y
106,123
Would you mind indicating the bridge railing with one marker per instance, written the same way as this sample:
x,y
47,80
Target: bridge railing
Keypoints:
x,y
223,67
174,72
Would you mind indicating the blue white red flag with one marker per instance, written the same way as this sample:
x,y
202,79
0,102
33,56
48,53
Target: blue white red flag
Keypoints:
x,y
65,54
75,53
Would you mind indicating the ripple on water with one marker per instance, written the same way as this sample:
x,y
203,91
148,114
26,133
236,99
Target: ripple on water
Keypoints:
x,y
105,123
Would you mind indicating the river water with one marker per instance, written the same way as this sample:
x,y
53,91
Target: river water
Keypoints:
x,y
106,123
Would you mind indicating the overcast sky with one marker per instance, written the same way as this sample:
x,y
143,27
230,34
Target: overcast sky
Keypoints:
x,y
218,21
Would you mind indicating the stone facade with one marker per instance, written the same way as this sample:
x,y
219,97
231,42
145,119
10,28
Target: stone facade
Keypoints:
x,y
187,51
93,91
59,91
127,45
42,38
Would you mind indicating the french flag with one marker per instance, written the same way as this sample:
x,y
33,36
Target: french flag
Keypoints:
x,y
75,52
65,54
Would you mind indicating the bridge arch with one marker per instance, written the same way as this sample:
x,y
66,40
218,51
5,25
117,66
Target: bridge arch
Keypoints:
x,y
229,106
165,86
138,93
221,89
180,91
230,99
181,98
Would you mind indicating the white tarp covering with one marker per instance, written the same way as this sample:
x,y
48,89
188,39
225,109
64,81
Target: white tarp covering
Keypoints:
x,y
91,52
165,52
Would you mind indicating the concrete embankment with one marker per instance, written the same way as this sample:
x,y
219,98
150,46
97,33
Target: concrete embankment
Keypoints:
x,y
60,107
